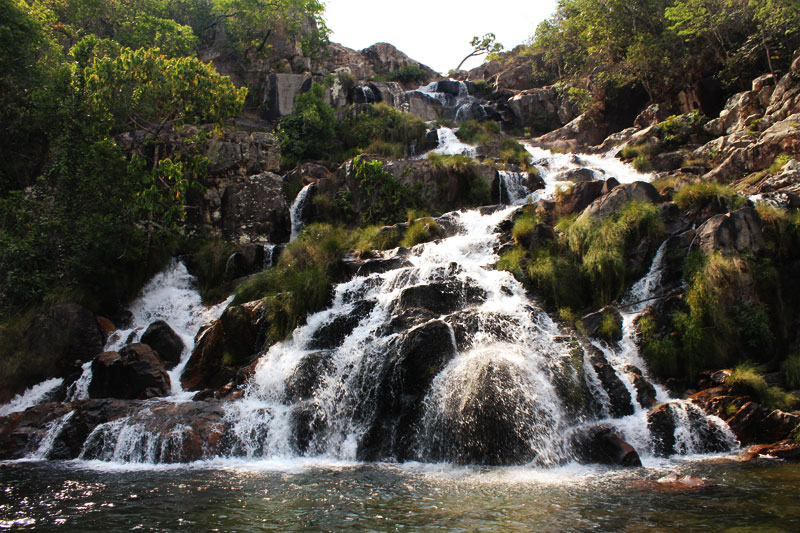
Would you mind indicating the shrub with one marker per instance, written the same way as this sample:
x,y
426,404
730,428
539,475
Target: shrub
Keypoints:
x,y
513,261
407,74
779,163
609,329
642,163
702,194
376,238
387,200
791,371
421,230
523,230
745,379
208,266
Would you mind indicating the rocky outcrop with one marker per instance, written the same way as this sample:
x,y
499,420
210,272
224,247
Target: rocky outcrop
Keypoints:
x,y
739,231
610,203
582,131
542,109
256,210
601,444
135,373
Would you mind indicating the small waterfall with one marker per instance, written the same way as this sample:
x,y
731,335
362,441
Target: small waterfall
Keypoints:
x,y
54,430
364,94
79,390
449,144
171,296
512,187
33,396
269,256
296,211
457,104
128,441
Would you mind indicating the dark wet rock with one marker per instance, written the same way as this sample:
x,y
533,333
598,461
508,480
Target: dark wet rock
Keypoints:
x,y
20,433
618,395
167,344
442,298
332,334
756,424
601,444
307,375
662,421
223,349
412,363
737,231
645,392
578,175
246,260
466,324
581,195
135,373
381,265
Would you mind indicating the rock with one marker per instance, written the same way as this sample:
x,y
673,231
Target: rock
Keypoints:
x,y
280,91
415,360
441,298
578,175
541,109
652,115
256,210
308,375
787,450
706,437
580,132
246,260
135,373
424,106
618,395
20,433
668,161
609,204
645,392
386,59
600,444
754,424
167,344
226,347
64,334
332,334
581,195
737,231
593,322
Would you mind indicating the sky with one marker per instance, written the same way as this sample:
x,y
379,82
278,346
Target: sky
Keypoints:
x,y
433,32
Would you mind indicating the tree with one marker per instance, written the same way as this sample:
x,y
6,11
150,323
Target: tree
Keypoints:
x,y
482,45
143,89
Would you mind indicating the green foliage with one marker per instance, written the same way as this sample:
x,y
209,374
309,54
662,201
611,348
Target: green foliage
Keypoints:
x,y
779,163
380,129
514,261
523,230
388,200
146,90
609,329
408,74
703,194
676,129
208,266
301,282
308,132
376,238
642,163
745,379
419,231
482,45
791,371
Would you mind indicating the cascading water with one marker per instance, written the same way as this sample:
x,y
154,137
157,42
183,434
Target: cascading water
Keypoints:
x,y
33,396
512,187
436,356
296,211
450,144
269,256
457,104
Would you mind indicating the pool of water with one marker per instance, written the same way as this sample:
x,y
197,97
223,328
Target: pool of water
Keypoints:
x,y
52,496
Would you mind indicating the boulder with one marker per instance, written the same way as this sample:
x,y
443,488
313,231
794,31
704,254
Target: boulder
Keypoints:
x,y
619,398
424,106
64,334
577,175
738,231
756,424
413,361
645,392
542,109
167,344
601,444
442,297
582,131
256,210
280,91
608,204
706,437
581,195
135,373
332,334
225,348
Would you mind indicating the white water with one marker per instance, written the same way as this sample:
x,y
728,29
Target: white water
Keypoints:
x,y
553,167
171,296
54,429
449,144
79,390
33,396
269,256
296,211
513,185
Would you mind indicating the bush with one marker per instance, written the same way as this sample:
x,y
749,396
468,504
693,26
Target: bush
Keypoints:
x,y
379,129
745,379
376,238
421,230
309,131
208,266
407,74
524,229
513,261
721,198
387,200
791,371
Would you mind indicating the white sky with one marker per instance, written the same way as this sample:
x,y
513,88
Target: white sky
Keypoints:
x,y
435,33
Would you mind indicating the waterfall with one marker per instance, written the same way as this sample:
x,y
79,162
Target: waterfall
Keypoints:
x,y
54,429
79,390
171,296
512,187
296,211
457,104
449,144
33,396
269,256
